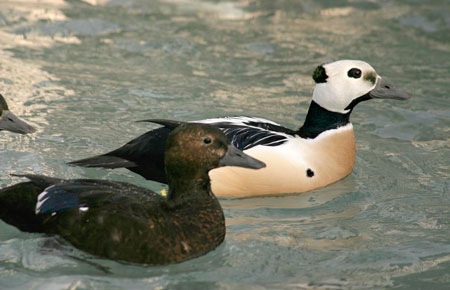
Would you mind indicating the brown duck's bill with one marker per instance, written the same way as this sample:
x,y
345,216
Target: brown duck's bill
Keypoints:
x,y
236,157
384,90
10,122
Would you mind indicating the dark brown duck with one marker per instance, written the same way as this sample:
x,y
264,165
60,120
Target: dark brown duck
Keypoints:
x,y
120,221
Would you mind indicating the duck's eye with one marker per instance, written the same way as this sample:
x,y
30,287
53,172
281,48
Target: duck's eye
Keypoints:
x,y
354,73
207,140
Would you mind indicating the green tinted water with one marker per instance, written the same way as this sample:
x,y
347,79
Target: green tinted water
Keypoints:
x,y
83,71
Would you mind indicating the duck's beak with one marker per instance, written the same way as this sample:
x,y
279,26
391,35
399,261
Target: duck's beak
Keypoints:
x,y
10,122
384,90
236,157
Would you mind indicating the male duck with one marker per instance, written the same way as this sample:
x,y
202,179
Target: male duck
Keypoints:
x,y
9,121
120,221
321,152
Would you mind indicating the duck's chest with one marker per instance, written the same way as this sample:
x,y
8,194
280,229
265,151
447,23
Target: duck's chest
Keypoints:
x,y
296,166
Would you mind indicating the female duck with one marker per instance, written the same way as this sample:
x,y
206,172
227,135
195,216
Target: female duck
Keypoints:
x,y
321,152
9,121
121,221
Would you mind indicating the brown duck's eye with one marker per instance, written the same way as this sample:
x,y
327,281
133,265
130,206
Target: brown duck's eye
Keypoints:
x,y
207,140
354,73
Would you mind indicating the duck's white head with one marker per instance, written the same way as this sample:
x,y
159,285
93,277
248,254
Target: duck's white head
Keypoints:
x,y
342,84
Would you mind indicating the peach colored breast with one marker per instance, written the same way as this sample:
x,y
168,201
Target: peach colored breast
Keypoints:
x,y
296,166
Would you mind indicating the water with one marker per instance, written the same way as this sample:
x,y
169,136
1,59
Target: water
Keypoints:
x,y
83,71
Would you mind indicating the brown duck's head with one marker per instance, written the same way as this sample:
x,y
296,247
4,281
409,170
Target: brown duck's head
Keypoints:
x,y
194,149
10,122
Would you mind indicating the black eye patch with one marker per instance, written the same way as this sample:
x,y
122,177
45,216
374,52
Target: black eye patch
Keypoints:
x,y
320,75
354,73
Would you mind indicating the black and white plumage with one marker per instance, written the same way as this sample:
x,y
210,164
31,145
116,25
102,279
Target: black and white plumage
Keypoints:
x,y
57,198
320,152
248,132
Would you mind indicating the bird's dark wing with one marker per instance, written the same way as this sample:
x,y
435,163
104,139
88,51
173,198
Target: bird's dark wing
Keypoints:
x,y
90,194
104,161
19,203
143,155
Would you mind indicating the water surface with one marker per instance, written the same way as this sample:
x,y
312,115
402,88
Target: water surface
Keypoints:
x,y
83,72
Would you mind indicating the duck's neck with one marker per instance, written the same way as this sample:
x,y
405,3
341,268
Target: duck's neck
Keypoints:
x,y
320,119
189,188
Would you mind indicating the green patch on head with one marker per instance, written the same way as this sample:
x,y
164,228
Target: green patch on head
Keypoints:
x,y
320,75
371,77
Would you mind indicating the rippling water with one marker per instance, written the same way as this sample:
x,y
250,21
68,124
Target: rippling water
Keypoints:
x,y
83,71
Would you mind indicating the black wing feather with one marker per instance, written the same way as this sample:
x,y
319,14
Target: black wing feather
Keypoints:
x,y
90,193
55,199
255,133
143,155
104,161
